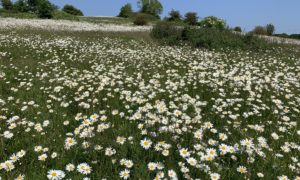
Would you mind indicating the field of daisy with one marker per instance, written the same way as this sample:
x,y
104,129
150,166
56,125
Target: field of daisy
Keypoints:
x,y
85,105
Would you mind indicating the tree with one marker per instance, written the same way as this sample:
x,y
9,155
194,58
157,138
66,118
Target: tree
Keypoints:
x,y
7,4
238,29
45,9
174,15
191,18
72,10
213,22
153,7
270,29
126,11
21,6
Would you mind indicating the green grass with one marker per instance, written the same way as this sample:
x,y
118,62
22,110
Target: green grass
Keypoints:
x,y
130,73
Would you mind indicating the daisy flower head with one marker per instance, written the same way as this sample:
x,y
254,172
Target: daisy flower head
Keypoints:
x,y
84,168
55,175
242,169
145,143
125,174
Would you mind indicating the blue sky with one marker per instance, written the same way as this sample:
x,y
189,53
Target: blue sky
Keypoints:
x,y
284,14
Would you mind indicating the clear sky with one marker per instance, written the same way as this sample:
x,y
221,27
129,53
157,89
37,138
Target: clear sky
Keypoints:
x,y
284,14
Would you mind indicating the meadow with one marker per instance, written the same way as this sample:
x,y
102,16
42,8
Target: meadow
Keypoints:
x,y
85,104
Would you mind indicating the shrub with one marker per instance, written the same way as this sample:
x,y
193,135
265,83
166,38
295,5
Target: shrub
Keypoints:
x,y
6,4
174,15
191,18
126,11
210,38
213,22
260,30
45,9
72,10
140,20
167,32
270,29
238,29
57,14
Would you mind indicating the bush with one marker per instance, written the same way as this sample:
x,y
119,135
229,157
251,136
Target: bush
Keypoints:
x,y
191,18
210,38
270,29
260,30
6,4
213,22
238,29
72,10
126,11
45,9
140,20
57,14
167,32
174,15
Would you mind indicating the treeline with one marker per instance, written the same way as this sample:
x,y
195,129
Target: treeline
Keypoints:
x,y
40,8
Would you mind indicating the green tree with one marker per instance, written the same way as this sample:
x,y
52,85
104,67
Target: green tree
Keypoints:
x,y
238,29
153,7
126,11
21,6
174,15
7,4
191,18
270,29
45,9
72,10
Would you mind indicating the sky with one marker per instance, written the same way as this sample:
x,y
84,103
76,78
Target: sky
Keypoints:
x,y
284,14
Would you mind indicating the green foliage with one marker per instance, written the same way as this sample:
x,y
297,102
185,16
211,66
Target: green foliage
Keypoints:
x,y
126,11
270,29
167,32
191,18
63,15
15,14
174,15
237,29
45,9
6,4
213,22
153,7
260,30
210,38
72,10
140,20
21,6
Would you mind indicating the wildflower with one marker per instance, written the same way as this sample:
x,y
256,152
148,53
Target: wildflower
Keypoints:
x,y
242,169
84,168
146,144
125,174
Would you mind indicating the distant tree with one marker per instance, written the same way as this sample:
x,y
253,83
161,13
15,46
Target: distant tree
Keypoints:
x,y
21,6
270,29
174,15
153,7
213,22
237,29
126,11
72,10
191,18
6,4
260,30
45,9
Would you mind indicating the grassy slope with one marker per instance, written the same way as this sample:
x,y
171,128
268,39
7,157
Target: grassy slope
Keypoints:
x,y
77,60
